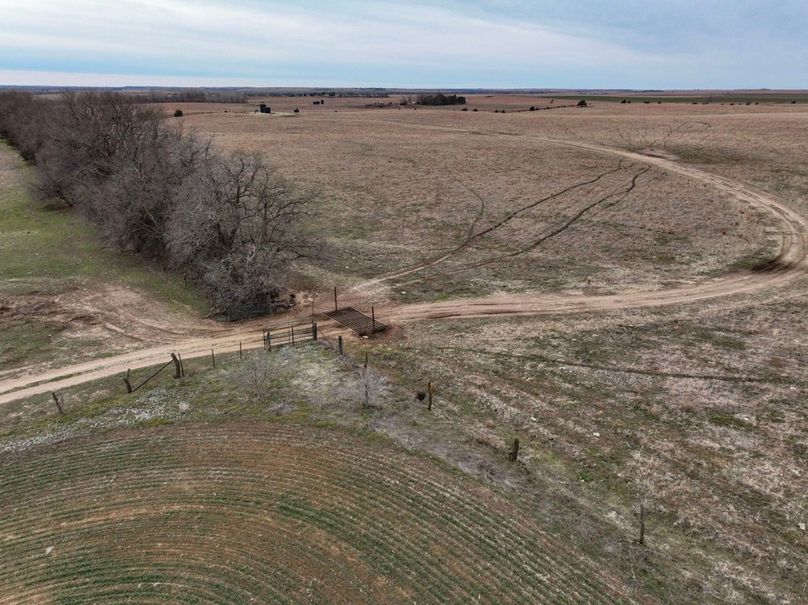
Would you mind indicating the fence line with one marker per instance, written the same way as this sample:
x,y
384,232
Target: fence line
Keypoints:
x,y
132,390
290,335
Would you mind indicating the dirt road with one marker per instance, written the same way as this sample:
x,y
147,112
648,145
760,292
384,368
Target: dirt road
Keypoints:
x,y
788,266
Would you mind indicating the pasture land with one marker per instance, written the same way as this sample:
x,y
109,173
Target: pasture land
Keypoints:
x,y
701,407
696,409
480,194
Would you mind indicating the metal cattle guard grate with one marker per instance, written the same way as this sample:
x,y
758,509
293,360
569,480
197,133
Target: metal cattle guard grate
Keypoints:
x,y
356,321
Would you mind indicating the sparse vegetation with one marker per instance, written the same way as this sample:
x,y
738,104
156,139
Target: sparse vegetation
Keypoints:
x,y
660,449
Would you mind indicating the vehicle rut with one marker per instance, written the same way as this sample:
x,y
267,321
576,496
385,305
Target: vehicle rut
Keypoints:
x,y
787,267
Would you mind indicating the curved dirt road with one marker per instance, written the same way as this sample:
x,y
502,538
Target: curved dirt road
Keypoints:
x,y
788,266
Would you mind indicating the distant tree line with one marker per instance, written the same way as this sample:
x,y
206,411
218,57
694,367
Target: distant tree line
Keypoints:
x,y
187,96
440,99
181,96
227,221
348,94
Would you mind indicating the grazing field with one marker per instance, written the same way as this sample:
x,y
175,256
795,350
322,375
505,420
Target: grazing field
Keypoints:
x,y
698,410
622,287
495,203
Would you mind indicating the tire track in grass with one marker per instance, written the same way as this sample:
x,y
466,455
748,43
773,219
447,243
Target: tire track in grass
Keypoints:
x,y
787,267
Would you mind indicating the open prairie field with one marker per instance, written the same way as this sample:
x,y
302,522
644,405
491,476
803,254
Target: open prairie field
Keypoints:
x,y
622,288
484,203
701,407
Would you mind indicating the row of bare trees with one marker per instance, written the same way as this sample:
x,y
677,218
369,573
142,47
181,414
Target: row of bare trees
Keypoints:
x,y
188,96
228,221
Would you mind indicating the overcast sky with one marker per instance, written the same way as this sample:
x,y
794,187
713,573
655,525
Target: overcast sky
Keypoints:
x,y
407,43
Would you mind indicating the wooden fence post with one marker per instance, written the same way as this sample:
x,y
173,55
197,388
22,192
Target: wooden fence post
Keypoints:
x,y
429,394
292,334
641,539
341,351
336,306
314,330
373,319
514,455
182,366
240,351
59,400
177,366
213,359
366,360
126,381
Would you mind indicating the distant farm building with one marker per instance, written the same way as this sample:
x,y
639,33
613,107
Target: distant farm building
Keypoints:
x,y
262,108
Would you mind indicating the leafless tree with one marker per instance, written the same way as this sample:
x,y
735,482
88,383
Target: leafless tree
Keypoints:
x,y
238,224
230,221
256,374
371,387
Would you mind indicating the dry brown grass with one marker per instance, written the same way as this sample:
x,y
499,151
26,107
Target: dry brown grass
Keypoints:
x,y
702,407
707,404
704,404
402,187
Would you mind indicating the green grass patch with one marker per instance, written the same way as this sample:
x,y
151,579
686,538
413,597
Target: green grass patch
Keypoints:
x,y
21,341
726,419
39,240
47,249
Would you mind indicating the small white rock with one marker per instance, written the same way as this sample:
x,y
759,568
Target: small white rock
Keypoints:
x,y
49,549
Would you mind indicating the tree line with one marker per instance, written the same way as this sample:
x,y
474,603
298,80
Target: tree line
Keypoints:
x,y
227,221
440,99
187,96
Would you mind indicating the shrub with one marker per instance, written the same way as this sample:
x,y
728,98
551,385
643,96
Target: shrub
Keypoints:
x,y
440,99
178,113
